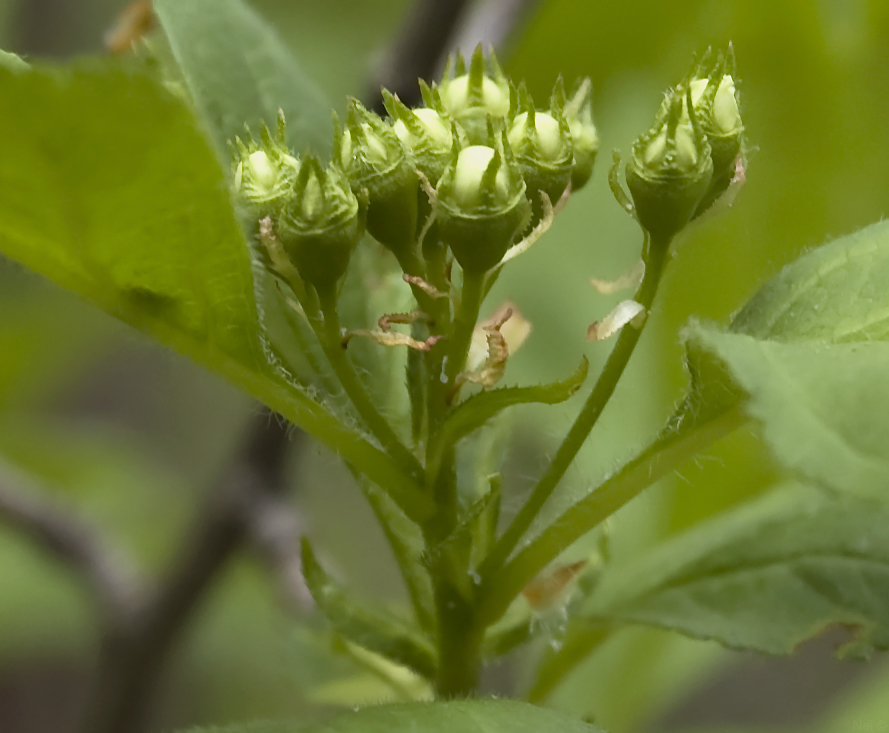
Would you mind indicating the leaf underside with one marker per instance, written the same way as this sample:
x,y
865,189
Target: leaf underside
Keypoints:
x,y
766,577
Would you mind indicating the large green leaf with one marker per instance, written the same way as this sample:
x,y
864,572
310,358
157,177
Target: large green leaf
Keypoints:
x,y
808,356
835,293
238,72
475,716
824,408
766,577
110,191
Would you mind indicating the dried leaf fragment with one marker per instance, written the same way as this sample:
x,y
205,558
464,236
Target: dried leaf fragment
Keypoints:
x,y
391,338
135,21
405,319
630,279
515,330
430,290
549,589
488,370
627,311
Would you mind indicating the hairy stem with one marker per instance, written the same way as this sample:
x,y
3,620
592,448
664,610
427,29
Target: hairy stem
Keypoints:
x,y
436,408
459,643
662,456
330,335
443,484
655,260
470,304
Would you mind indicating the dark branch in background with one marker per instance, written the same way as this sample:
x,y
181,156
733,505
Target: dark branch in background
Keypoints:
x,y
71,540
135,646
275,529
434,28
416,51
494,23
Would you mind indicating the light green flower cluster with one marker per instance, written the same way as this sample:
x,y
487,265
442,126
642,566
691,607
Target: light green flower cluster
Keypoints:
x,y
478,166
488,156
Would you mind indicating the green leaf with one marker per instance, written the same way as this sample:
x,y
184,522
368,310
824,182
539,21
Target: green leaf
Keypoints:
x,y
823,407
373,628
111,192
808,359
766,577
467,716
484,530
481,407
239,72
837,293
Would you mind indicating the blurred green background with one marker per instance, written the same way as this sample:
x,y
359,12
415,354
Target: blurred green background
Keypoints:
x,y
130,433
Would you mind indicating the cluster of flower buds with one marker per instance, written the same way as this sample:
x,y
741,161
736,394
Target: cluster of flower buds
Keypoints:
x,y
487,153
316,217
689,157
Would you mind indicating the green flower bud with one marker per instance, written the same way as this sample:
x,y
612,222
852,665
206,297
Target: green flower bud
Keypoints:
x,y
481,202
671,168
715,101
542,144
469,98
584,138
322,224
425,133
264,172
377,166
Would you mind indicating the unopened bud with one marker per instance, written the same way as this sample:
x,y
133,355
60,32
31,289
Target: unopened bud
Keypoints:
x,y
584,137
322,225
482,203
670,169
542,145
715,101
425,134
470,98
377,166
264,172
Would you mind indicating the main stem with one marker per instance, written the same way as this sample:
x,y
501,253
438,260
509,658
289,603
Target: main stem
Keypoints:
x,y
436,407
459,636
459,642
470,304
655,257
